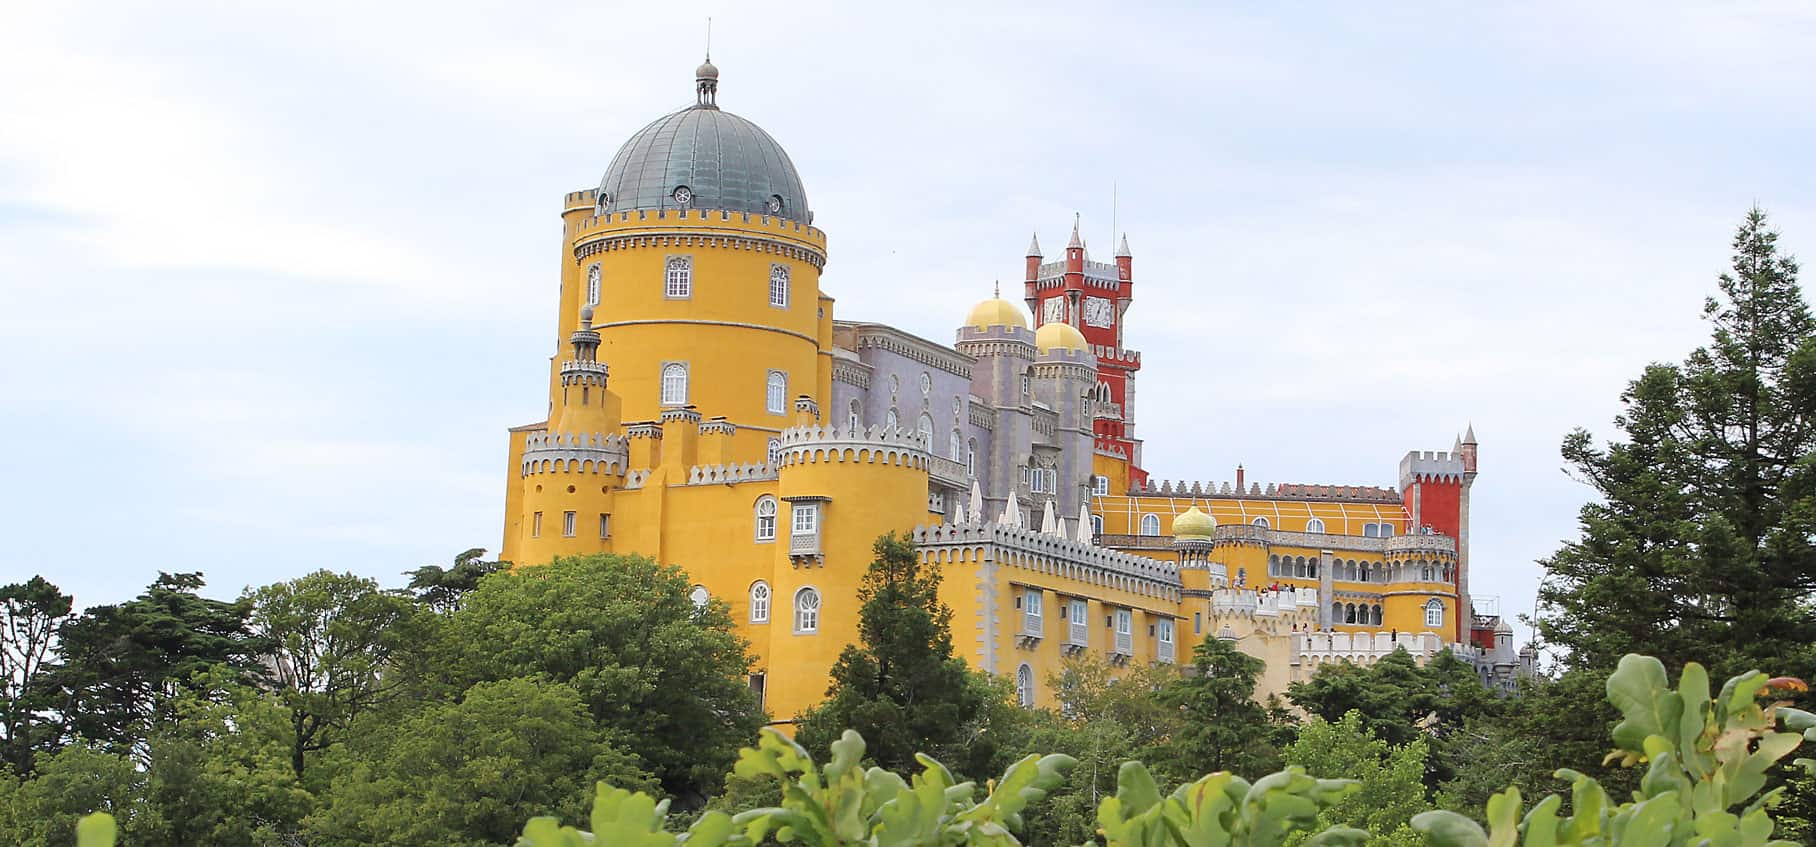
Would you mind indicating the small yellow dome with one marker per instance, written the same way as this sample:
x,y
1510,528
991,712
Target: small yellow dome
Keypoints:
x,y
1061,335
996,312
1194,524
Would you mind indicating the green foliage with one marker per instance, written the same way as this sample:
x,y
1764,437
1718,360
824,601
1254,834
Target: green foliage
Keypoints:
x,y
74,781
1706,762
30,613
1702,540
121,664
1397,699
329,639
467,773
840,804
1390,780
665,678
442,589
1221,726
900,686
1223,809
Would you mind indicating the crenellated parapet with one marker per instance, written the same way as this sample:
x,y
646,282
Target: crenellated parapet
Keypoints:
x,y
585,371
1431,466
1365,648
874,445
1054,555
1420,546
1252,603
729,474
560,452
1288,491
697,229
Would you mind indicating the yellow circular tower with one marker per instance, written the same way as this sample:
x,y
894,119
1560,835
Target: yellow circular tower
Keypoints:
x,y
698,257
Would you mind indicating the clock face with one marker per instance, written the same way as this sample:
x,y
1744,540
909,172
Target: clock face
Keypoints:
x,y
1099,312
773,204
1054,310
684,195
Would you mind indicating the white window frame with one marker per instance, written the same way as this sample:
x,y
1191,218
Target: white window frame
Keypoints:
x,y
678,278
592,284
773,454
971,460
892,420
804,519
1100,485
674,384
957,445
1024,686
779,278
605,525
1097,524
923,427
570,524
806,610
766,523
1125,631
1164,639
759,602
1314,525
856,418
1262,522
1150,524
1434,612
775,393
1078,624
536,525
1032,620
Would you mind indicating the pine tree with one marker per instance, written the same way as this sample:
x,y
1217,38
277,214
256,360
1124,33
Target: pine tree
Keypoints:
x,y
900,686
1223,729
1702,544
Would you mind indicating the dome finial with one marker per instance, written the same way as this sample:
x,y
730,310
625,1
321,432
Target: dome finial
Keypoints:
x,y
998,292
706,77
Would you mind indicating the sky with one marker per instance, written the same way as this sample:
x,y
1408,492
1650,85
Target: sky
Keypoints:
x,y
275,279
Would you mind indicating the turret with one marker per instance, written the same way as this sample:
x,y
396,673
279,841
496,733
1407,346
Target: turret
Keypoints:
x,y
586,405
1034,258
1125,263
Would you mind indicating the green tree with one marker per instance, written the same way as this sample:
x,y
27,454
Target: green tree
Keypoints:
x,y
70,783
1701,542
30,614
329,640
900,686
122,664
1391,787
1223,728
441,589
469,774
666,677
219,773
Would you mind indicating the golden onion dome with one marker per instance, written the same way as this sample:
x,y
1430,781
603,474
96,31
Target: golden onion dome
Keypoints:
x,y
995,312
1194,524
1061,335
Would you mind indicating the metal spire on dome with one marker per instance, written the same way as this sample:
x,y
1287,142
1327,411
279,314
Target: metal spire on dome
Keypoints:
x,y
997,293
706,77
1034,246
1075,243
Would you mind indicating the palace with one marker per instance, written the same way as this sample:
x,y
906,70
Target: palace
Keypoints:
x,y
707,410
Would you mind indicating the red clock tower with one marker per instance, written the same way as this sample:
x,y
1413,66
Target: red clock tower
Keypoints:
x,y
1093,297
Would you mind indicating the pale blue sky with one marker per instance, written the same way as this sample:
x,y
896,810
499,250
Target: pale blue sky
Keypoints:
x,y
273,282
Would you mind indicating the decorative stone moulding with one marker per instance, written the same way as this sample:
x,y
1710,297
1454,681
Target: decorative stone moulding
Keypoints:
x,y
558,452
1050,554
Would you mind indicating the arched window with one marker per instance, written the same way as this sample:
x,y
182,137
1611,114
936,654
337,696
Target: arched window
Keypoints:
x,y
807,610
1097,524
759,601
1434,613
1273,565
1377,615
674,384
1299,566
924,427
971,459
1311,567
1349,613
775,395
775,452
1336,613
700,596
891,420
1314,525
679,282
1262,522
957,444
856,419
778,285
1024,686
766,518
1150,524
592,285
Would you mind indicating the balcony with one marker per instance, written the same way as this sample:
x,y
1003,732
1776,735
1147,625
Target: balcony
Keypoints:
x,y
1165,652
949,472
1124,648
1030,633
804,544
1078,637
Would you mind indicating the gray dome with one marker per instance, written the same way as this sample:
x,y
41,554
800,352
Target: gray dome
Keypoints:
x,y
724,162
